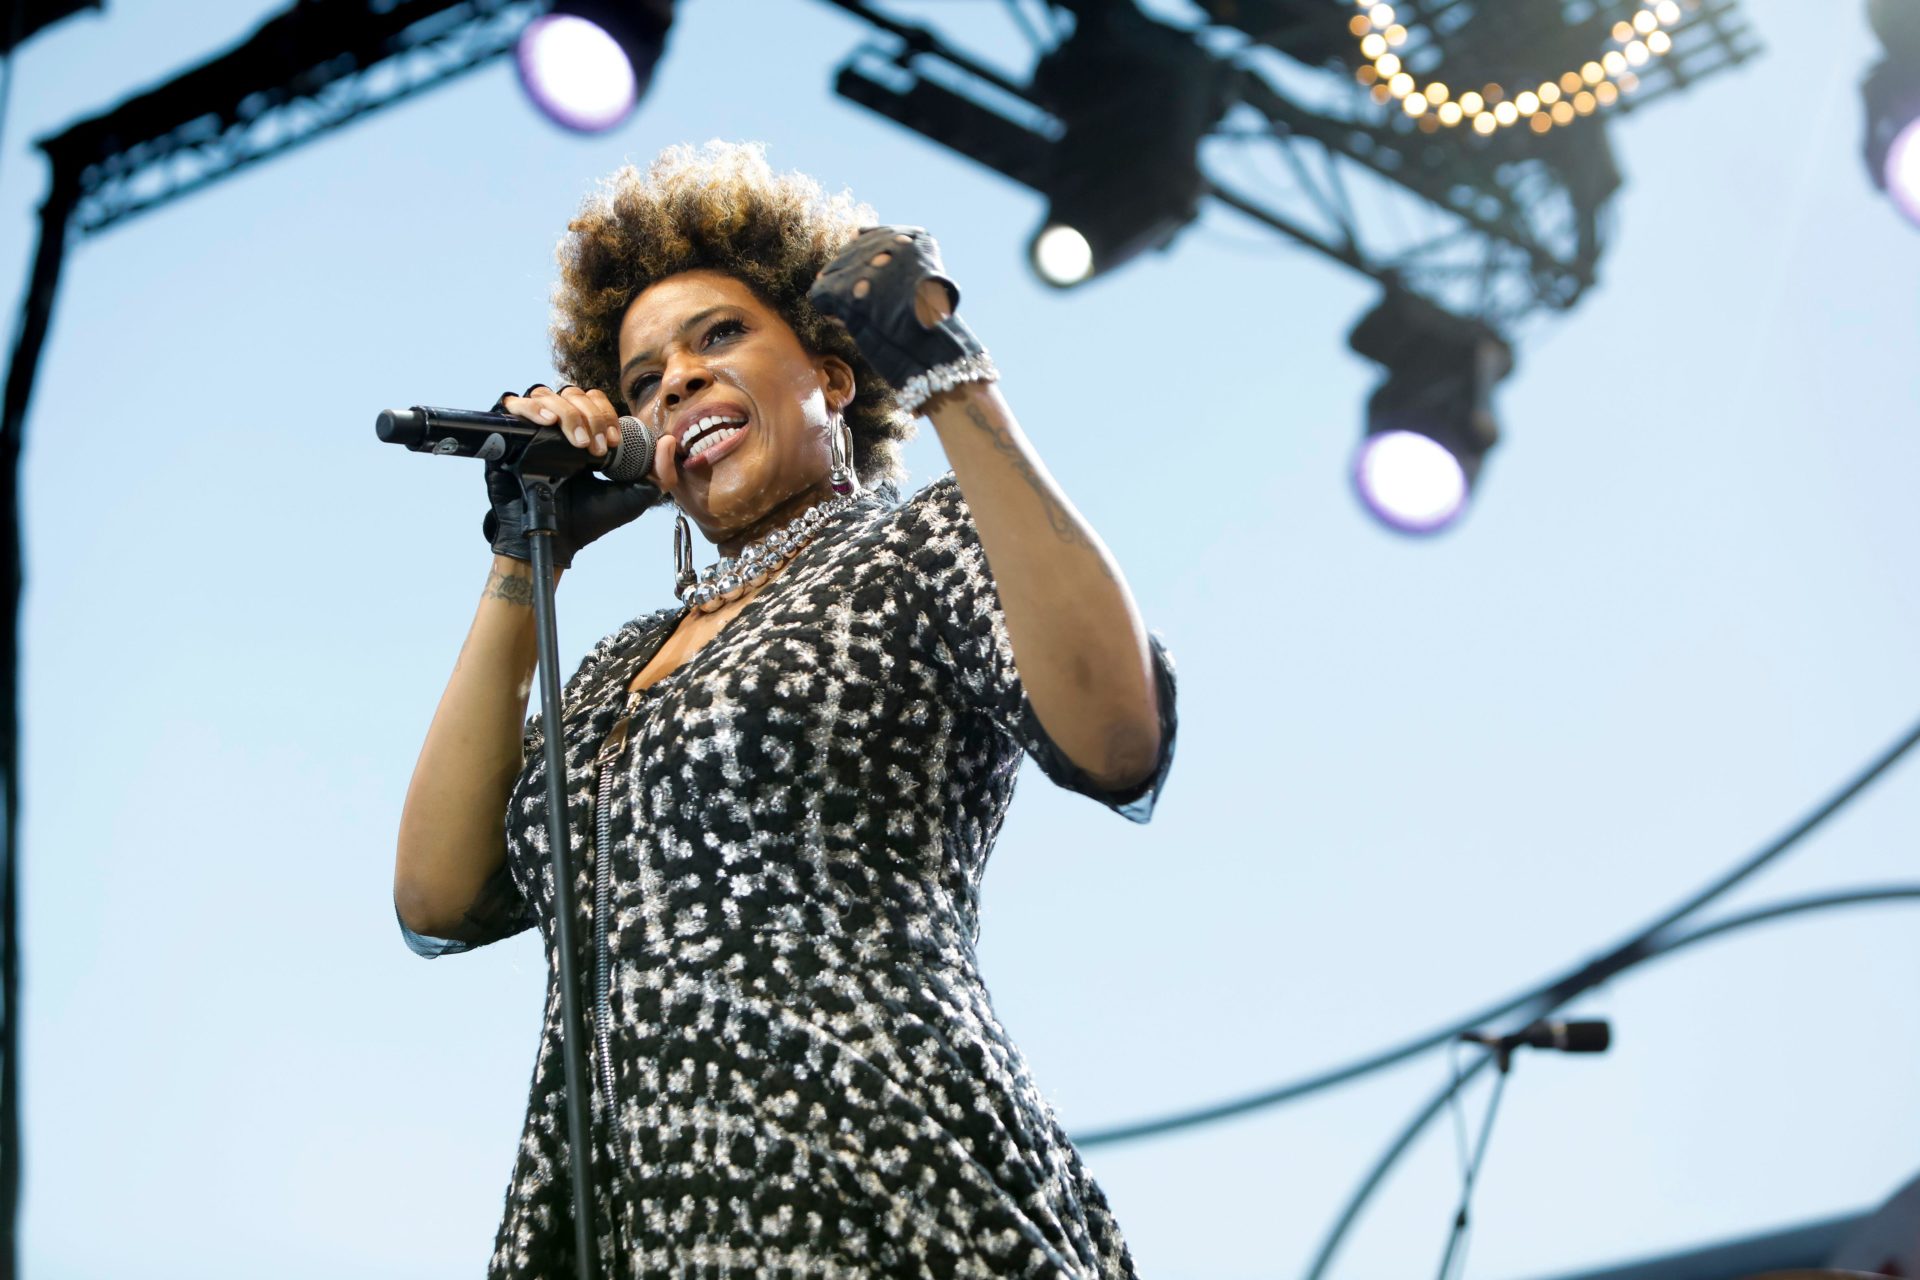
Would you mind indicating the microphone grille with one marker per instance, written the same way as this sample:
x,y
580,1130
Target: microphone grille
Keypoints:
x,y
633,458
1591,1036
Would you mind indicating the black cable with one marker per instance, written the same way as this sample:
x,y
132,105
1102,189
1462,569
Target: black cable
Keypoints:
x,y
1536,1001
1424,1116
1792,907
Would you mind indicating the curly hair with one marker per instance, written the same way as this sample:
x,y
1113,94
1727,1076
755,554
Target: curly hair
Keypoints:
x,y
720,208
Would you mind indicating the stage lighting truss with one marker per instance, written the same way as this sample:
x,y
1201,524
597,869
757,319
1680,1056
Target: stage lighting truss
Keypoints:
x,y
308,70
1494,224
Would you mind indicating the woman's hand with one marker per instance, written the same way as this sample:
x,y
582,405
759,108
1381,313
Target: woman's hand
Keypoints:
x,y
587,506
890,289
586,418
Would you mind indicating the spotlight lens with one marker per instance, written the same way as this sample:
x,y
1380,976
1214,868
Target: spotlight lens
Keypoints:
x,y
1903,170
576,73
1062,255
1410,481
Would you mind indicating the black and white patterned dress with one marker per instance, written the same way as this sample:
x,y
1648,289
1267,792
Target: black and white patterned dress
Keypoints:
x,y
798,1071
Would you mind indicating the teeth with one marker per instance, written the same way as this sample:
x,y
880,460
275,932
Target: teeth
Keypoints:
x,y
705,424
713,438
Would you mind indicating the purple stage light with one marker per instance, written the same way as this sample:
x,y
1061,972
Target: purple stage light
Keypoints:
x,y
1410,482
1901,174
576,73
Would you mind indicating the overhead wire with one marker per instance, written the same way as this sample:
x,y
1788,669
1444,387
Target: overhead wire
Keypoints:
x,y
1536,1000
1376,1174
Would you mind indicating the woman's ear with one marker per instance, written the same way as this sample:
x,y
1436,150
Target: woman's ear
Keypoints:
x,y
836,380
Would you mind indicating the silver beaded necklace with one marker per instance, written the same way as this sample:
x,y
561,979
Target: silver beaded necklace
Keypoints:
x,y
732,576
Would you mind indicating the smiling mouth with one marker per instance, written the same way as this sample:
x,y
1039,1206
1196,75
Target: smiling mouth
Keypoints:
x,y
713,437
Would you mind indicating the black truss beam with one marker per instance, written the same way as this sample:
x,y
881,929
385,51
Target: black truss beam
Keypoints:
x,y
1490,228
27,18
304,72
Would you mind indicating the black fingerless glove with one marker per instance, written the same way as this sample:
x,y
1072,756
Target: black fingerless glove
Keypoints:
x,y
920,361
586,507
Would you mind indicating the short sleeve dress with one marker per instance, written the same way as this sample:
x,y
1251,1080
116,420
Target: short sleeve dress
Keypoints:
x,y
778,851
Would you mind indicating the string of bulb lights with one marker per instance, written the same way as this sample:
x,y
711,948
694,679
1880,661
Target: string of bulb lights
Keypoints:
x,y
1556,101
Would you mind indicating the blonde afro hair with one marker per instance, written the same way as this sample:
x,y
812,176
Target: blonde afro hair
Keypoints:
x,y
719,207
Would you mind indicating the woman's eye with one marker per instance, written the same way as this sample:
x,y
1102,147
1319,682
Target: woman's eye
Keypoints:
x,y
643,385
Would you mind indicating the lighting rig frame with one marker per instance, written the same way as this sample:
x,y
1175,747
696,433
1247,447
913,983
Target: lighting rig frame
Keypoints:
x,y
304,72
1491,229
1477,229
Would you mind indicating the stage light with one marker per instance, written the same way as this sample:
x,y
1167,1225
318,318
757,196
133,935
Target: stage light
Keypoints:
x,y
1061,255
1430,422
1133,97
1892,93
1902,169
587,63
1410,481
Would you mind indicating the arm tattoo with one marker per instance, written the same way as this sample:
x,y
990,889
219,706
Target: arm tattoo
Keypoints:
x,y
1062,521
514,590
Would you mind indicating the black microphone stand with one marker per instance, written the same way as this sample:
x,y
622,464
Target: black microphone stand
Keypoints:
x,y
537,482
1503,1059
545,461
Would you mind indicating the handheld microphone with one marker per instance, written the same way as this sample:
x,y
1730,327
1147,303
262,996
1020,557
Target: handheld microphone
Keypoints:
x,y
1590,1036
503,438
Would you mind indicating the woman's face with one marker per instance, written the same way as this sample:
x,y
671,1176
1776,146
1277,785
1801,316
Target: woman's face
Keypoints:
x,y
700,346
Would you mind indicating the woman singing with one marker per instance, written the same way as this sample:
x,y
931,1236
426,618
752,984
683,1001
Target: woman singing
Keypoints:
x,y
783,791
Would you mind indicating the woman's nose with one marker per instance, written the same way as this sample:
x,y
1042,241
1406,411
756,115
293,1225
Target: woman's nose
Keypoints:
x,y
684,381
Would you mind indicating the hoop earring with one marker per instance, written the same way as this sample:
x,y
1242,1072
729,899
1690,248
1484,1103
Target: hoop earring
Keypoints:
x,y
683,574
840,448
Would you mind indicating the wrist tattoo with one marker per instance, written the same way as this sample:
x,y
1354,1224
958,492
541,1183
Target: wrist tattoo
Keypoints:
x,y
511,588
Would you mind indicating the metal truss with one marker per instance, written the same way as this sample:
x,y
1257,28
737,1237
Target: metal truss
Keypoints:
x,y
285,86
1494,228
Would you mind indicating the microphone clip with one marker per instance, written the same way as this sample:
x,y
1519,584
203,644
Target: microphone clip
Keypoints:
x,y
1591,1035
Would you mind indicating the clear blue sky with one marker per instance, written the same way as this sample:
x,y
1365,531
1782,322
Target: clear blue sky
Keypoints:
x,y
1412,776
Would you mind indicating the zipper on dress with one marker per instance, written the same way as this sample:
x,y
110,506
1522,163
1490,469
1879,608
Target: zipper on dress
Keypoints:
x,y
602,905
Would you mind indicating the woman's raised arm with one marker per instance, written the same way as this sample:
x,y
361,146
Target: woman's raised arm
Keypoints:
x,y
1078,640
453,828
